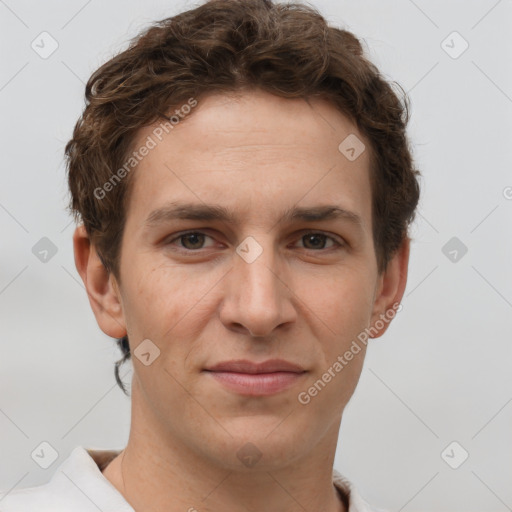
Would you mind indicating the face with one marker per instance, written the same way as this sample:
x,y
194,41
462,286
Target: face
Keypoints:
x,y
215,268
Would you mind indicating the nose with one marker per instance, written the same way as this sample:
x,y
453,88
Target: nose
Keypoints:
x,y
258,299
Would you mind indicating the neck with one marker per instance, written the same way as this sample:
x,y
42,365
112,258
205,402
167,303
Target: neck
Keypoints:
x,y
156,472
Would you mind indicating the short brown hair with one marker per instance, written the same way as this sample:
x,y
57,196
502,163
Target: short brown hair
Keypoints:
x,y
224,46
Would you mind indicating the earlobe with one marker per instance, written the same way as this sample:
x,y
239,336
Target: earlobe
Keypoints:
x,y
101,287
390,290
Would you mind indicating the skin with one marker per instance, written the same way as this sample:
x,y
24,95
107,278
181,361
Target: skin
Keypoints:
x,y
301,300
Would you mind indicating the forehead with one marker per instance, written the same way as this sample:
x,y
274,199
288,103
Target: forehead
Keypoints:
x,y
253,150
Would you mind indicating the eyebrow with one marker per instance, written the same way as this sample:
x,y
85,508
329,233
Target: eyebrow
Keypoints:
x,y
210,212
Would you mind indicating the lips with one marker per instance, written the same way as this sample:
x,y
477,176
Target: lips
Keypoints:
x,y
256,379
244,366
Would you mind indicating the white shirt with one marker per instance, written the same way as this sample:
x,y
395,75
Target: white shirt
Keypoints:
x,y
78,485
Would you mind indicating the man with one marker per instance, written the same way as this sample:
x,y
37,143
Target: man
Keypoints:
x,y
244,186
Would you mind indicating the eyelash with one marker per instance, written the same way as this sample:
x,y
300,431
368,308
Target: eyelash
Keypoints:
x,y
338,244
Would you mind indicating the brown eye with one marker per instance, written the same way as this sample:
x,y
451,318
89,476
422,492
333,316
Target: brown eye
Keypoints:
x,y
314,241
192,240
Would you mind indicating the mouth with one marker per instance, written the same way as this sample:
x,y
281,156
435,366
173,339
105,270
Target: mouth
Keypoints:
x,y
256,379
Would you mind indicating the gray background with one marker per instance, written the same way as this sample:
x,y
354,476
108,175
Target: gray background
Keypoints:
x,y
441,373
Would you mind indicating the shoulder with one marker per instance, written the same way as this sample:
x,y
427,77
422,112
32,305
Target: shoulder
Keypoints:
x,y
355,501
77,485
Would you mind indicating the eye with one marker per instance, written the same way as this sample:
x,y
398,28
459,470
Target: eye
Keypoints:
x,y
317,240
191,240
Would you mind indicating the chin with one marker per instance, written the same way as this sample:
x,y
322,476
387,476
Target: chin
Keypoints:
x,y
263,443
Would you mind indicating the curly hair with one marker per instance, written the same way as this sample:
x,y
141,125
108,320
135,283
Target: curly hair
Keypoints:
x,y
225,46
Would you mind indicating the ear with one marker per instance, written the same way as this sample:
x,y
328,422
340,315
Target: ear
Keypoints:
x,y
102,288
390,290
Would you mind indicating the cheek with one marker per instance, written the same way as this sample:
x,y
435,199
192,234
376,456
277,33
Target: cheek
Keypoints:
x,y
342,299
342,309
162,301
